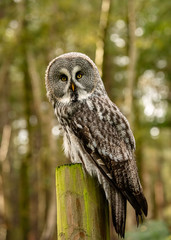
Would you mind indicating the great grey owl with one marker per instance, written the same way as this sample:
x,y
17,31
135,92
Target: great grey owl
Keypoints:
x,y
95,132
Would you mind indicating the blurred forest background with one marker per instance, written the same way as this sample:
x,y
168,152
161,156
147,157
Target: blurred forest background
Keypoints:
x,y
130,41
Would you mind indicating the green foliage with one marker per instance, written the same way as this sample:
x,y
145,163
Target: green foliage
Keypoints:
x,y
152,230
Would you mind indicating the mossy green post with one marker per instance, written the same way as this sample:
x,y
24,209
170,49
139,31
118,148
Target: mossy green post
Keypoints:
x,y
82,209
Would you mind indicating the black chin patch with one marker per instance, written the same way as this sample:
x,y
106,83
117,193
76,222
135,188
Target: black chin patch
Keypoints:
x,y
74,96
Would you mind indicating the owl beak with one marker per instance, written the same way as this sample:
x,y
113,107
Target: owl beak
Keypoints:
x,y
73,87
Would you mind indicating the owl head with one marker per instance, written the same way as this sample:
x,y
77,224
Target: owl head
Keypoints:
x,y
72,77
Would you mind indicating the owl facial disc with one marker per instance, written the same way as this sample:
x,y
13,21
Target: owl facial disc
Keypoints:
x,y
71,77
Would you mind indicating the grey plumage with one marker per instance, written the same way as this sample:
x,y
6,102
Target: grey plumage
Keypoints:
x,y
96,133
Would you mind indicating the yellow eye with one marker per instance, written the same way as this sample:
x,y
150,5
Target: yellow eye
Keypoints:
x,y
79,75
64,78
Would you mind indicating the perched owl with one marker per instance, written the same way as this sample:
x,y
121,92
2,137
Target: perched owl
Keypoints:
x,y
96,133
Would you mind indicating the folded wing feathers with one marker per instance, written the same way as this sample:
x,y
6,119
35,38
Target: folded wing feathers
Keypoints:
x,y
125,185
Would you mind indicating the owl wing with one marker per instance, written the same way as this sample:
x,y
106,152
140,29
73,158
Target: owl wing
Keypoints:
x,y
109,142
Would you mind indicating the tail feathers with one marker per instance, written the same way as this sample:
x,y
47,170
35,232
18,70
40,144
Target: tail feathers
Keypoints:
x,y
118,207
139,203
143,207
142,202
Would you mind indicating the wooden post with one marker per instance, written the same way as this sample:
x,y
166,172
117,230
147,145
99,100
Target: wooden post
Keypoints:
x,y
82,209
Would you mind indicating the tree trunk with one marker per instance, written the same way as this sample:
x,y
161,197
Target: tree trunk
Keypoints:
x,y
102,34
82,209
132,59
